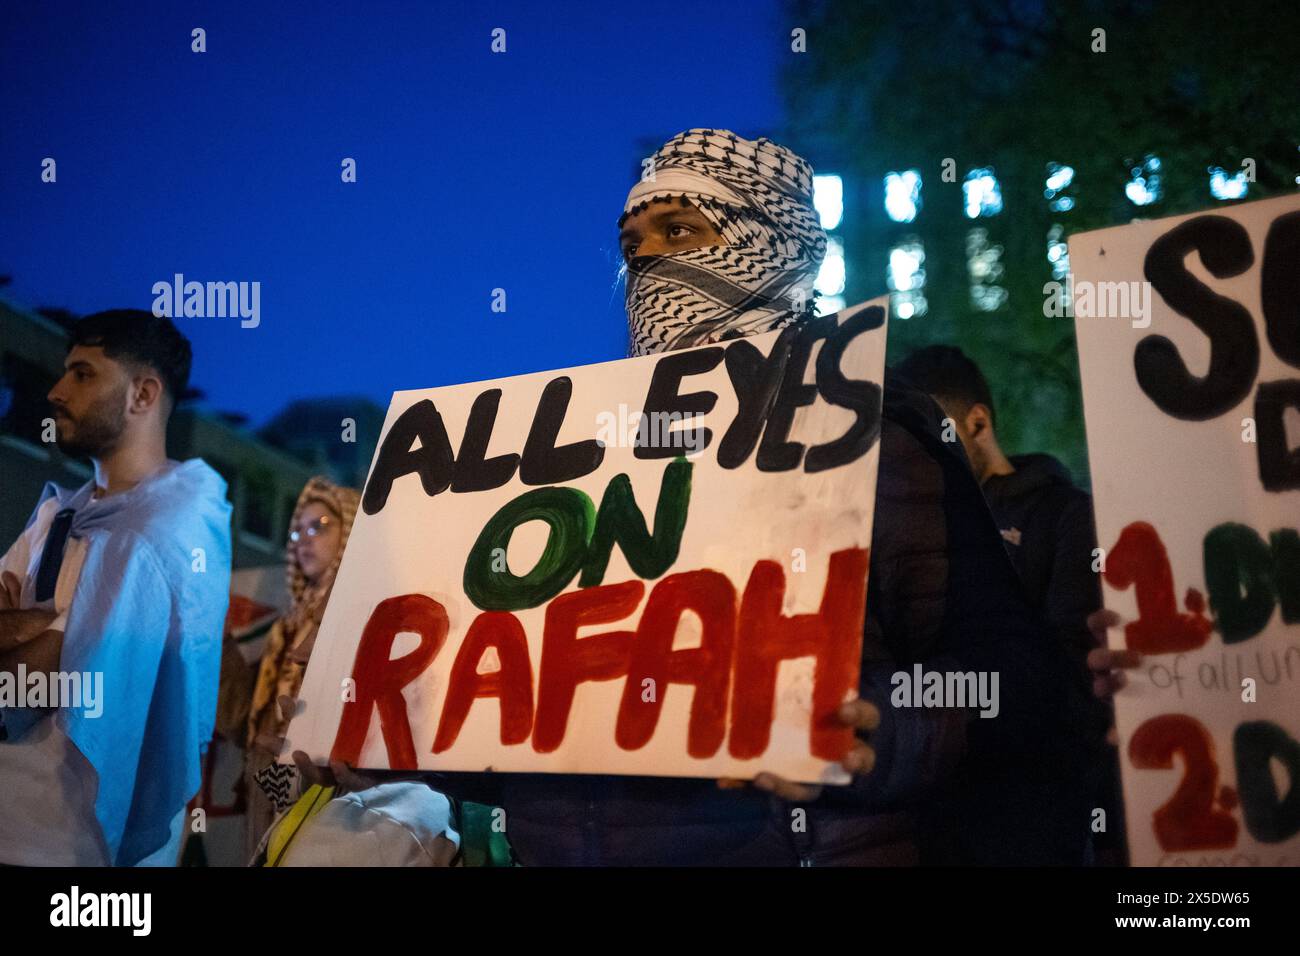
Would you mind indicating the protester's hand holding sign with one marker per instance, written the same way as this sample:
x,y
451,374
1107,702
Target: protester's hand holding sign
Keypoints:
x,y
1108,665
863,717
338,774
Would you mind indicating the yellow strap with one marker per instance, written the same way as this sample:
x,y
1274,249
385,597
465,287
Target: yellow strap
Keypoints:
x,y
286,828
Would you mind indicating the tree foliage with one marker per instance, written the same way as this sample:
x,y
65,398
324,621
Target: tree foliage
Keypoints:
x,y
1015,86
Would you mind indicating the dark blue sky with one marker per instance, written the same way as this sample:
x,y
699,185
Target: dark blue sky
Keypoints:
x,y
475,171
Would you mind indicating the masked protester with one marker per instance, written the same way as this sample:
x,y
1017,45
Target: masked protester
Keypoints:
x,y
318,532
724,242
765,242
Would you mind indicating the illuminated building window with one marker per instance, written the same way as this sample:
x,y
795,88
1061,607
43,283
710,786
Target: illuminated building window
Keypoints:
x,y
1059,179
828,199
831,278
1058,252
1144,185
903,195
906,279
984,263
982,193
1223,186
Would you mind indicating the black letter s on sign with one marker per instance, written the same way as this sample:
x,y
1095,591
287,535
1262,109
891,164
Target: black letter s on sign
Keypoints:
x,y
1224,247
863,398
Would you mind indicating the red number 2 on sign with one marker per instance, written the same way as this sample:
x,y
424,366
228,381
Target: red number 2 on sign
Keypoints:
x,y
1189,820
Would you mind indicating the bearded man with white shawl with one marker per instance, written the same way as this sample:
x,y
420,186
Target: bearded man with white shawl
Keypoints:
x,y
123,582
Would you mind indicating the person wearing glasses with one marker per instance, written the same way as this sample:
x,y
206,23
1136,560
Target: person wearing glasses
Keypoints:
x,y
318,532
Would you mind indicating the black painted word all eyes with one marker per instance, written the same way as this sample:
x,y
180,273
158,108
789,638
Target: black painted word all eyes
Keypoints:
x,y
768,388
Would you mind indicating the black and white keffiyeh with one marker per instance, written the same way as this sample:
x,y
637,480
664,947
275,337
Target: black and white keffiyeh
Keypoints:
x,y
759,196
280,784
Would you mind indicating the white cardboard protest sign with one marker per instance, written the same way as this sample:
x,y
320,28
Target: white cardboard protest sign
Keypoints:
x,y
522,594
1192,402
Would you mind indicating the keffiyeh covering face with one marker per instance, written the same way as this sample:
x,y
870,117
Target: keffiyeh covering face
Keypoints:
x,y
759,197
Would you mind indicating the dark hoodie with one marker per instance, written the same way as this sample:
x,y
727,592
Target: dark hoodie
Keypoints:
x,y
1046,524
1047,527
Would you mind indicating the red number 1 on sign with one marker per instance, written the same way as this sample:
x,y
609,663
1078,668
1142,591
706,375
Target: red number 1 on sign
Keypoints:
x,y
1139,560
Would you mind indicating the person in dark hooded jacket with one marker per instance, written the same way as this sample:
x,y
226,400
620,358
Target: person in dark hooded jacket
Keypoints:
x,y
1045,521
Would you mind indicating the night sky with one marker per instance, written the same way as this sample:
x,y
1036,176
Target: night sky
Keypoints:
x,y
475,171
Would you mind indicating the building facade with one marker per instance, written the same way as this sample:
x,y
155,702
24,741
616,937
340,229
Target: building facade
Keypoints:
x,y
262,480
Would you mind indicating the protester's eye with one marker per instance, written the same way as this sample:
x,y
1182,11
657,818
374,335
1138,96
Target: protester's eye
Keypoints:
x,y
673,232
629,250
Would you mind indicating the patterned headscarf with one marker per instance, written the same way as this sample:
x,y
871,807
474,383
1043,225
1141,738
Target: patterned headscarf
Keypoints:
x,y
307,601
278,673
759,196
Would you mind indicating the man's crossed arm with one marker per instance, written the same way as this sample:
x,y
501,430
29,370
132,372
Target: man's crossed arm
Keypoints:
x,y
41,653
25,635
18,628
